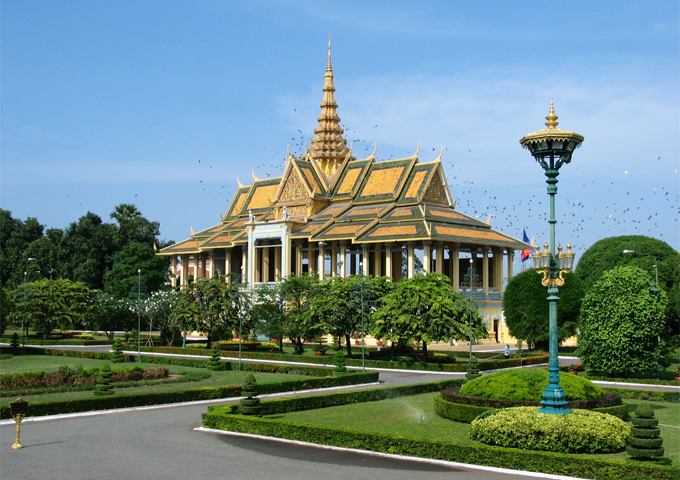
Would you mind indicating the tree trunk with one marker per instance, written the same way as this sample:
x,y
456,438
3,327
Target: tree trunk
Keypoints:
x,y
424,351
298,344
209,337
348,339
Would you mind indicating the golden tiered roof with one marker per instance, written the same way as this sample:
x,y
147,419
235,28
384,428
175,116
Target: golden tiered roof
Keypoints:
x,y
328,194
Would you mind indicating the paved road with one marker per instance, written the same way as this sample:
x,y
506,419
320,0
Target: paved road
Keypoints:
x,y
162,443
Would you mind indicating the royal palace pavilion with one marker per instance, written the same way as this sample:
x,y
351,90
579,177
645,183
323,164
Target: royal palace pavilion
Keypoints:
x,y
334,214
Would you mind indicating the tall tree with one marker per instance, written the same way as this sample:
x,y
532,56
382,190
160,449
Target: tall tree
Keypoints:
x,y
16,247
425,309
299,324
621,322
57,303
268,313
87,248
213,305
158,310
526,308
109,314
608,253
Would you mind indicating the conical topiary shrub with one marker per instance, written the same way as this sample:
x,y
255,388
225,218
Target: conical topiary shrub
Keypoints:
x,y
104,386
473,369
214,363
645,441
249,405
15,341
340,362
117,355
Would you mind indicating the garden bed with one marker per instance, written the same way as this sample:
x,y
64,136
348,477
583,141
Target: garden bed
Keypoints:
x,y
378,429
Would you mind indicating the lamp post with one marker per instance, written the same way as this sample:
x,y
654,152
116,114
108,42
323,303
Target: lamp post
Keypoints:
x,y
552,147
363,339
139,315
24,325
655,292
470,280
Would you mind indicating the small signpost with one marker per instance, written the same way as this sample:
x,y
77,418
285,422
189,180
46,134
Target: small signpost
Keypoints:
x,y
18,410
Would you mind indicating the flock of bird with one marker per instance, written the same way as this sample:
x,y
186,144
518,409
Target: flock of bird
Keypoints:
x,y
586,212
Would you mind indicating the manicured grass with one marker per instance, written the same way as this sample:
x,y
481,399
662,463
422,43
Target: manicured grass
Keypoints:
x,y
50,363
402,416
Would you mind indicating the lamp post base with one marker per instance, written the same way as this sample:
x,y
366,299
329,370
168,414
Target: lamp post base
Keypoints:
x,y
554,400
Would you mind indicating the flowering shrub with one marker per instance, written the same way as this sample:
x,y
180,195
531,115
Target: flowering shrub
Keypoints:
x,y
67,376
581,431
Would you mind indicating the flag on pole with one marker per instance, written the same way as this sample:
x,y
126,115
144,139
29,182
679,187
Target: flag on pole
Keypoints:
x,y
527,251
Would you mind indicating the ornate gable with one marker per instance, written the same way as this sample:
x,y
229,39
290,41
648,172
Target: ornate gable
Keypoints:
x,y
294,189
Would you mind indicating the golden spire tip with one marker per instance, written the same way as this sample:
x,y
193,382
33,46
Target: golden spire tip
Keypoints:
x,y
551,118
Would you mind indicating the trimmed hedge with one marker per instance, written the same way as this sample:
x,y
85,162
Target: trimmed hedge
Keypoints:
x,y
312,402
466,413
546,462
527,384
453,395
55,407
356,362
644,381
582,431
650,395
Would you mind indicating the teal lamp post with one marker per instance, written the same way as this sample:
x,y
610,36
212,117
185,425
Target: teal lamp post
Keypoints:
x,y
552,147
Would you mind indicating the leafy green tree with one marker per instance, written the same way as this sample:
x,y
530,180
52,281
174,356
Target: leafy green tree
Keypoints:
x,y
608,253
212,305
337,304
16,247
126,262
526,308
620,324
268,312
108,313
158,309
87,248
425,309
299,323
55,303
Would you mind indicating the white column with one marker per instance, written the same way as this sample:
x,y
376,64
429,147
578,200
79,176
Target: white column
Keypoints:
x,y
485,270
211,269
298,257
439,265
227,265
365,258
173,268
388,260
277,263
377,260
343,260
455,268
334,260
411,271
511,261
321,263
184,272
427,257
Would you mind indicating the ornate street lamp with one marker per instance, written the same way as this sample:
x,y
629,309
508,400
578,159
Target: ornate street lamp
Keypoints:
x,y
552,147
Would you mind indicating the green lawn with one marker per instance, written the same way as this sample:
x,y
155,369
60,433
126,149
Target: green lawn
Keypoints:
x,y
402,416
49,363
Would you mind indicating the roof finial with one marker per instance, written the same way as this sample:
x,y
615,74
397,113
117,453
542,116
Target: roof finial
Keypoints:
x,y
551,118
329,50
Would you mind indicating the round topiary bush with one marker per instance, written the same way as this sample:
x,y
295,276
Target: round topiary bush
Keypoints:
x,y
528,384
581,431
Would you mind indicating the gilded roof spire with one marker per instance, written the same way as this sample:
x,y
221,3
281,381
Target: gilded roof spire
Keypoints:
x,y
551,118
329,147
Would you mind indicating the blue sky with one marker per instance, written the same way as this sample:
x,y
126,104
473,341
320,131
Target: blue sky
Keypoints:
x,y
163,103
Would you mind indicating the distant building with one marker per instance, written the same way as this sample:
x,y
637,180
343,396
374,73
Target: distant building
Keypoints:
x,y
331,213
